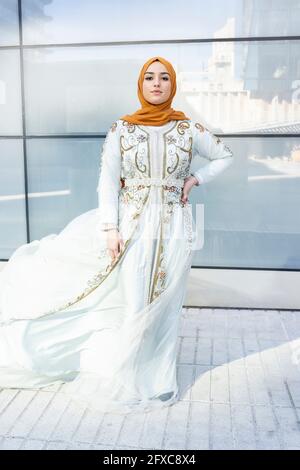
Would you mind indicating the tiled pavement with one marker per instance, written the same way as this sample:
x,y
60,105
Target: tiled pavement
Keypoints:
x,y
239,375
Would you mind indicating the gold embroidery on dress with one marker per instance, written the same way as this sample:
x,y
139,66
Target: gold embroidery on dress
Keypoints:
x,y
171,196
188,150
177,163
219,141
159,276
200,127
114,126
135,161
133,195
140,166
135,165
171,139
215,138
122,146
182,126
171,169
130,126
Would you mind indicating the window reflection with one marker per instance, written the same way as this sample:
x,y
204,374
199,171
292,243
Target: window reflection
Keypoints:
x,y
56,21
10,93
9,28
12,197
232,87
250,214
63,176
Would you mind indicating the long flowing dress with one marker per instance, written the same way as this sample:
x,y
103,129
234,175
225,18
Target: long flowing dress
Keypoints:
x,y
107,330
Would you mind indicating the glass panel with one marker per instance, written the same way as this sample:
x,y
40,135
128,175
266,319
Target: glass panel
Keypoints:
x,y
58,22
12,197
10,93
251,211
9,26
230,87
243,87
63,177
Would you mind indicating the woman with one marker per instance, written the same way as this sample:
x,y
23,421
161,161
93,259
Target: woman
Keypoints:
x,y
97,306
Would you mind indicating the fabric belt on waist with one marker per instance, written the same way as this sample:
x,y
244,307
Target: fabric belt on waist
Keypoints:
x,y
179,182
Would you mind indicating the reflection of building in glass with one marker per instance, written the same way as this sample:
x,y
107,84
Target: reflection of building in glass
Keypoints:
x,y
34,15
7,14
9,30
271,67
247,86
271,18
215,91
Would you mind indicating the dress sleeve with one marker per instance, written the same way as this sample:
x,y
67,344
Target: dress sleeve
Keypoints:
x,y
212,148
109,180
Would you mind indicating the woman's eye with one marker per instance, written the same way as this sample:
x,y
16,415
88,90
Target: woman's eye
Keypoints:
x,y
149,78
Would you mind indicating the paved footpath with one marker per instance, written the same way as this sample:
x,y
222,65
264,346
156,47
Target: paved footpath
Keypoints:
x,y
239,376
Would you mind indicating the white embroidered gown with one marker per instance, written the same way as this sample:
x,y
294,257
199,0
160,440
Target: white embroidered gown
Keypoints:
x,y
107,331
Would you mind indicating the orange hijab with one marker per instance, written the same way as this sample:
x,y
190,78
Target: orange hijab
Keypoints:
x,y
155,114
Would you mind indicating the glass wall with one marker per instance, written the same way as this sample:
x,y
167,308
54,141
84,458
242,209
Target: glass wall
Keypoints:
x,y
9,24
10,93
62,176
67,71
12,196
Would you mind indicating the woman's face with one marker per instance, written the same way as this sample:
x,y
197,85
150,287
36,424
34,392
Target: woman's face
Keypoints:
x,y
157,78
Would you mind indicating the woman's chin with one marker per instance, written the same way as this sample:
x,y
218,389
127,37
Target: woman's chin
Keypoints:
x,y
156,100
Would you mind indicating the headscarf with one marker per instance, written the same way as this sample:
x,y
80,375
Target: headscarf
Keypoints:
x,y
155,114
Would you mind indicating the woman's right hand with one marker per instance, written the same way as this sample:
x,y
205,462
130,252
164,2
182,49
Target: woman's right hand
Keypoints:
x,y
114,243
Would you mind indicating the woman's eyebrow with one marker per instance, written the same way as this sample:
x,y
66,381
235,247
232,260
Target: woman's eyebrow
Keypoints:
x,y
159,72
